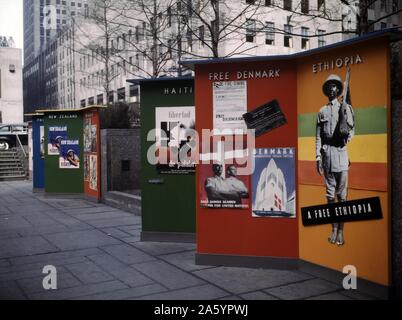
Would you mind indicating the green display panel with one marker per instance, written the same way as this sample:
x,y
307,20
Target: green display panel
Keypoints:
x,y
63,152
168,197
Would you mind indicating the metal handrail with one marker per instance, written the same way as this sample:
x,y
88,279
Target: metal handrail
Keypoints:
x,y
22,148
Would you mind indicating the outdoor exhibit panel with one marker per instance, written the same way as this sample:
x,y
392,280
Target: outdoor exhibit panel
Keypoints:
x,y
246,198
356,169
91,158
167,190
38,152
63,152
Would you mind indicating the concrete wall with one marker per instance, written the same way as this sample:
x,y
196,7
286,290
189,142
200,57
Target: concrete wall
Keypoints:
x,y
121,145
11,105
396,197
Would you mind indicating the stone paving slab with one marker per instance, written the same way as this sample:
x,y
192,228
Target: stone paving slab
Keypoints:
x,y
11,222
330,296
29,208
204,292
29,273
258,295
78,291
128,254
115,233
35,285
114,222
51,258
88,272
9,234
90,210
131,293
356,295
184,260
102,215
4,263
303,290
120,271
242,280
167,275
38,266
42,230
80,239
159,248
17,247
9,290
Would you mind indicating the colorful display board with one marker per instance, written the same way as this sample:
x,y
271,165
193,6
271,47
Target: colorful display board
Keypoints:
x,y
38,152
319,187
365,156
63,151
232,223
91,156
167,187
71,147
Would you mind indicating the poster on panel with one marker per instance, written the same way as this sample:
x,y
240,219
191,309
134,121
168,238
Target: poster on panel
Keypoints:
x,y
273,183
69,154
55,136
175,139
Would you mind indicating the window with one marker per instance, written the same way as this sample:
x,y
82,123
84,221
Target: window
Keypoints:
x,y
305,6
189,37
383,5
73,4
268,3
288,39
121,94
79,5
133,90
394,5
82,103
250,30
250,1
305,41
321,5
383,25
287,5
99,99
111,97
321,41
201,33
91,101
269,33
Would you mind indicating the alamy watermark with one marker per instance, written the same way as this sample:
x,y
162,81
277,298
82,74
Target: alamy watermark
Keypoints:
x,y
50,280
350,281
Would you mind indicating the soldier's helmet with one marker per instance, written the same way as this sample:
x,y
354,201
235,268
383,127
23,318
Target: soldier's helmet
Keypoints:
x,y
333,78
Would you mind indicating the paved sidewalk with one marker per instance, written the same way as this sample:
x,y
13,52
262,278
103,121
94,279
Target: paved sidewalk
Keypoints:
x,y
98,255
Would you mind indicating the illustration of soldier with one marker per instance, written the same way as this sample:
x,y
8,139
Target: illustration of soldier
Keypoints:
x,y
334,130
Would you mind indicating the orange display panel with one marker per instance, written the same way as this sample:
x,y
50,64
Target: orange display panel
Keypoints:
x,y
366,243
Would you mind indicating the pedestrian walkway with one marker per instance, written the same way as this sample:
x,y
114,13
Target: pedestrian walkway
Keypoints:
x,y
98,255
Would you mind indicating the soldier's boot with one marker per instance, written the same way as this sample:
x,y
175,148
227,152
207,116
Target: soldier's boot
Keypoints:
x,y
332,237
340,240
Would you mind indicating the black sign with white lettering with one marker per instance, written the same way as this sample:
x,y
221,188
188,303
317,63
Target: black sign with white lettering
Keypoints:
x,y
354,210
265,118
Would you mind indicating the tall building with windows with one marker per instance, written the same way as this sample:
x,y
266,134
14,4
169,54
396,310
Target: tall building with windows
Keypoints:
x,y
43,19
11,109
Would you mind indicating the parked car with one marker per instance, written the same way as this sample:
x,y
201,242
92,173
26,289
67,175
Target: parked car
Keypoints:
x,y
9,133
